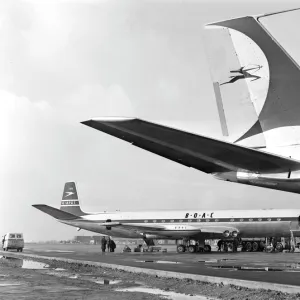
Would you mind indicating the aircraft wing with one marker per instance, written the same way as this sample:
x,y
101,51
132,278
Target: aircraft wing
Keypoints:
x,y
128,226
190,230
203,153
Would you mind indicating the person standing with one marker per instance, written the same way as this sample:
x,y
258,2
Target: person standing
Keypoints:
x,y
219,245
112,246
103,244
235,244
3,240
108,244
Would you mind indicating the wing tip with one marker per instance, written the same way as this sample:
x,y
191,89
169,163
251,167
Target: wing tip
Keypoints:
x,y
38,205
108,119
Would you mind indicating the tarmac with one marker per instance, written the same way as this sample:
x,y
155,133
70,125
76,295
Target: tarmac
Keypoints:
x,y
256,270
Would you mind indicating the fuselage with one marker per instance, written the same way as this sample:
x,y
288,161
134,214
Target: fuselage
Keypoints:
x,y
193,223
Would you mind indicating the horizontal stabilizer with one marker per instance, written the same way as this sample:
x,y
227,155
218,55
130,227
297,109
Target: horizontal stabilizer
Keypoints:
x,y
54,212
203,153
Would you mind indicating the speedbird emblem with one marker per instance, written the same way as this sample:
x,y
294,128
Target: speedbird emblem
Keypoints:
x,y
69,194
245,73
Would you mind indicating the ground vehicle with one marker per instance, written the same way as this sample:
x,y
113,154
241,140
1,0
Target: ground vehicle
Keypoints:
x,y
13,241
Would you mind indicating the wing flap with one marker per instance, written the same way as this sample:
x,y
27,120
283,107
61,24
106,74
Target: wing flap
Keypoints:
x,y
203,153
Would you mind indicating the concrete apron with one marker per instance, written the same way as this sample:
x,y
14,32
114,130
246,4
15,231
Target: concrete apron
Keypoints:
x,y
256,285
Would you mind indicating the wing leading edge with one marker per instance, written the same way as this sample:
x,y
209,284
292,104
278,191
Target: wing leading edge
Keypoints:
x,y
203,153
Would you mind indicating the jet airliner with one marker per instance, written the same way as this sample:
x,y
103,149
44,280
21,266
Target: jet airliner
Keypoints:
x,y
259,110
194,224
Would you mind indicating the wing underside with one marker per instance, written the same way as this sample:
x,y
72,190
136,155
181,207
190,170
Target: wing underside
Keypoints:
x,y
203,153
165,230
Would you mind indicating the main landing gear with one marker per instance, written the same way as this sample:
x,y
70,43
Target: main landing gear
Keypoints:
x,y
193,247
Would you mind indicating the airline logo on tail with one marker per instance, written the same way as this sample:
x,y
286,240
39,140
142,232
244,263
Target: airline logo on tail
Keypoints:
x,y
70,196
245,72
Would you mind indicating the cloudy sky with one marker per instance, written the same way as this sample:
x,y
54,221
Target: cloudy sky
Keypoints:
x,y
62,62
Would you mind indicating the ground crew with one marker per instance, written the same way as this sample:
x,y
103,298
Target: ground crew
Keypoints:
x,y
220,245
112,246
103,244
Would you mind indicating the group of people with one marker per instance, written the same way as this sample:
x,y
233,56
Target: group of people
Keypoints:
x,y
109,243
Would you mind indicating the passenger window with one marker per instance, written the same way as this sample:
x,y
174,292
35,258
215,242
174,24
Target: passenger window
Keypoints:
x,y
12,236
19,236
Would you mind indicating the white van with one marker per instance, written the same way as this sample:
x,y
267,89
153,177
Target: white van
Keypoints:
x,y
13,241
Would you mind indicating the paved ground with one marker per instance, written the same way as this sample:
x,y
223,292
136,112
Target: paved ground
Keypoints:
x,y
27,279
225,265
17,282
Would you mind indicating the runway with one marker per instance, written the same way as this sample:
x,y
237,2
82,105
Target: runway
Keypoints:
x,y
278,268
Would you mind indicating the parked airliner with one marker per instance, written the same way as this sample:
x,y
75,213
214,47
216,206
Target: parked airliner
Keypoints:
x,y
193,224
257,87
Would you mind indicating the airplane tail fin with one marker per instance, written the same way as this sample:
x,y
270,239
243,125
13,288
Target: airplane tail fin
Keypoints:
x,y
70,202
255,80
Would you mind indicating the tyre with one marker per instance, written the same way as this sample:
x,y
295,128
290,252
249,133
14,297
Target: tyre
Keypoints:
x,y
192,249
262,246
248,246
21,249
279,247
207,248
255,247
180,248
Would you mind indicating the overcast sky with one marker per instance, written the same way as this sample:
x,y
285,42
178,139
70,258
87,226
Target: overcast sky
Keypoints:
x,y
62,62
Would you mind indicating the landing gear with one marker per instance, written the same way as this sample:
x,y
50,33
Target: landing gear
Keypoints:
x,y
192,249
193,246
255,247
181,248
279,247
207,248
248,247
149,242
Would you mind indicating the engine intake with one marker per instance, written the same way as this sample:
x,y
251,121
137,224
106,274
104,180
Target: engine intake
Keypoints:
x,y
226,233
234,233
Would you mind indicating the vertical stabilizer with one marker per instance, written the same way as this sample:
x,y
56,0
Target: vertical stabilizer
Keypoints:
x,y
70,201
256,80
240,76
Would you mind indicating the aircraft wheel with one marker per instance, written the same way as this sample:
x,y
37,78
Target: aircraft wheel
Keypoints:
x,y
180,248
262,246
192,249
255,247
249,247
279,247
207,248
